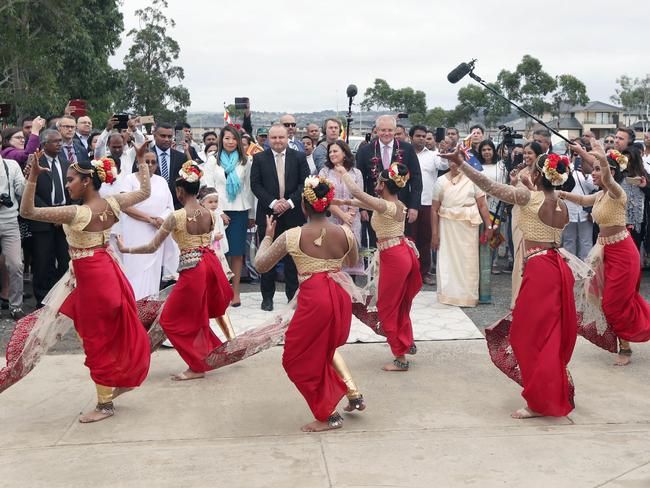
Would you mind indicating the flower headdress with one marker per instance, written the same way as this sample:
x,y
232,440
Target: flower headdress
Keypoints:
x,y
318,204
620,159
393,174
190,172
555,168
105,168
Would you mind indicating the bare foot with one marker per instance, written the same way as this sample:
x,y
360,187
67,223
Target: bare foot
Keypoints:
x,y
398,364
96,415
525,413
187,375
318,426
622,360
117,391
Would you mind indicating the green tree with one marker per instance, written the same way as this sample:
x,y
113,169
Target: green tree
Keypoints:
x,y
476,100
57,50
634,95
569,91
149,68
381,95
529,85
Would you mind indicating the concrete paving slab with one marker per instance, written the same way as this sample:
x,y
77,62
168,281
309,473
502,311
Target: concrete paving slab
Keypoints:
x,y
444,423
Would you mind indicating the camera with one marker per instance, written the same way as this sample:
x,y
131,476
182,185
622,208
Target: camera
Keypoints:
x,y
5,200
508,136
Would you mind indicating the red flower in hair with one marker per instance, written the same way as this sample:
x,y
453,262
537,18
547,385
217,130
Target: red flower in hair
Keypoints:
x,y
553,159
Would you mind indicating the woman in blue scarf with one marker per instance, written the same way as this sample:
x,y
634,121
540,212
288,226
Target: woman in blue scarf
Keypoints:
x,y
229,172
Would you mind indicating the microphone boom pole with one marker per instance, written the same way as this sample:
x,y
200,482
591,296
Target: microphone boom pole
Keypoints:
x,y
479,80
351,92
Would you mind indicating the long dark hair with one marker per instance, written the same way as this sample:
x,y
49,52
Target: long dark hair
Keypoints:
x,y
635,162
7,134
240,150
348,158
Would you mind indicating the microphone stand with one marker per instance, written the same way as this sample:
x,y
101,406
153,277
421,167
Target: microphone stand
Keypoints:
x,y
477,78
349,120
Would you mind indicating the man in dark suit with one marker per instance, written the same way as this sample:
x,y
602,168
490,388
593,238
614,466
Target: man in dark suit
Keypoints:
x,y
277,180
170,161
50,249
72,151
378,155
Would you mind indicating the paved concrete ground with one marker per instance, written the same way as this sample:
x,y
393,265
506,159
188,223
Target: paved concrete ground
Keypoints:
x,y
443,424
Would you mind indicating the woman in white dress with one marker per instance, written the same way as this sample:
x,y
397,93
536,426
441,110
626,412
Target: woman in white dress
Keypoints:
x,y
228,171
139,224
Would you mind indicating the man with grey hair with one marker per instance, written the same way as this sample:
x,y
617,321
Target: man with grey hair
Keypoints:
x,y
332,134
289,122
277,180
543,138
377,156
84,128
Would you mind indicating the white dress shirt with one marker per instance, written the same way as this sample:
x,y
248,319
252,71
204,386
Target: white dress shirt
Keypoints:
x,y
55,161
312,164
275,158
128,155
430,164
584,186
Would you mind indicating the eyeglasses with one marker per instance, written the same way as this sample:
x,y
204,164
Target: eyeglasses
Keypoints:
x,y
18,137
67,126
289,124
609,141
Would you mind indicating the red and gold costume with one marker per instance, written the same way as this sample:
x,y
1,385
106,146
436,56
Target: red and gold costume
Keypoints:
x,y
96,295
399,278
543,329
320,323
202,291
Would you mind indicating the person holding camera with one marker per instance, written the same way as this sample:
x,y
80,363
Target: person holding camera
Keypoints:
x,y
12,183
332,133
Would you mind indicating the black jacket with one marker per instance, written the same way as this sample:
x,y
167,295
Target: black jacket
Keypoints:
x,y
265,186
409,195
43,195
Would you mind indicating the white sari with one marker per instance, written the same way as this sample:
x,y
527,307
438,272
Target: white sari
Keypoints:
x,y
144,270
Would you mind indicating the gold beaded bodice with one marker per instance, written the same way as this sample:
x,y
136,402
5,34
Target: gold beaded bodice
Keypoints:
x,y
608,211
532,226
306,264
79,238
387,224
184,239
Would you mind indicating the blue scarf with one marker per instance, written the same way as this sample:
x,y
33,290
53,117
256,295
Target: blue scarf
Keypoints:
x,y
229,164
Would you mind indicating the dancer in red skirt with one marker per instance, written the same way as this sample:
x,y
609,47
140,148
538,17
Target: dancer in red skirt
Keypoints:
x,y
615,257
321,322
202,291
543,331
101,305
399,276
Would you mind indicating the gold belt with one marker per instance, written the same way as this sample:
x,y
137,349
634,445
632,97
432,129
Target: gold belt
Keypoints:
x,y
384,244
76,253
621,236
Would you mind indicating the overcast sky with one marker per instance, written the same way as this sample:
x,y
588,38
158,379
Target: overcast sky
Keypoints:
x,y
299,56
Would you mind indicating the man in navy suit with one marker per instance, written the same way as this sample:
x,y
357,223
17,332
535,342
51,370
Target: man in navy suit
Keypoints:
x,y
72,151
378,155
50,250
277,180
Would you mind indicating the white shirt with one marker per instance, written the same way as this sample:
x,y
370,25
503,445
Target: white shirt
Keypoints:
x,y
312,164
584,186
275,157
13,187
214,176
646,162
430,164
55,160
128,155
83,139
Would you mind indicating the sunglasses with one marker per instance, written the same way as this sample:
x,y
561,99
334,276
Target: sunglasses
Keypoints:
x,y
289,124
609,141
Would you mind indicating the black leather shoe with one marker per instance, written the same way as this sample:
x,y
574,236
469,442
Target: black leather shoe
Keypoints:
x,y
267,305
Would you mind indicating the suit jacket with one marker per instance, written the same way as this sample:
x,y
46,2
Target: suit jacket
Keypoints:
x,y
265,186
409,195
43,196
175,163
80,152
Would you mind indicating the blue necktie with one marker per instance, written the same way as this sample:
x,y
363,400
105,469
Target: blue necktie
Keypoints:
x,y
164,171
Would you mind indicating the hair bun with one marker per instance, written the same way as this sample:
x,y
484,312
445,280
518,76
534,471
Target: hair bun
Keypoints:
x,y
106,170
325,189
555,168
190,172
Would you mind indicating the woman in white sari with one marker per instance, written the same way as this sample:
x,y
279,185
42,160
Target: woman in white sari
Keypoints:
x,y
139,224
457,210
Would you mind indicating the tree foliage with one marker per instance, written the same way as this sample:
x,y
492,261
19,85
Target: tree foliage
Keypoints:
x,y
381,95
56,50
633,95
149,68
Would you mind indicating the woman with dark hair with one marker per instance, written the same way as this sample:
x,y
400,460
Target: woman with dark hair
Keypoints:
x,y
519,178
615,258
101,303
321,322
635,187
229,173
14,145
202,290
544,326
399,277
338,153
93,138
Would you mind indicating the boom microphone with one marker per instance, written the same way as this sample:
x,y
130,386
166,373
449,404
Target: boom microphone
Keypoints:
x,y
351,91
460,71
